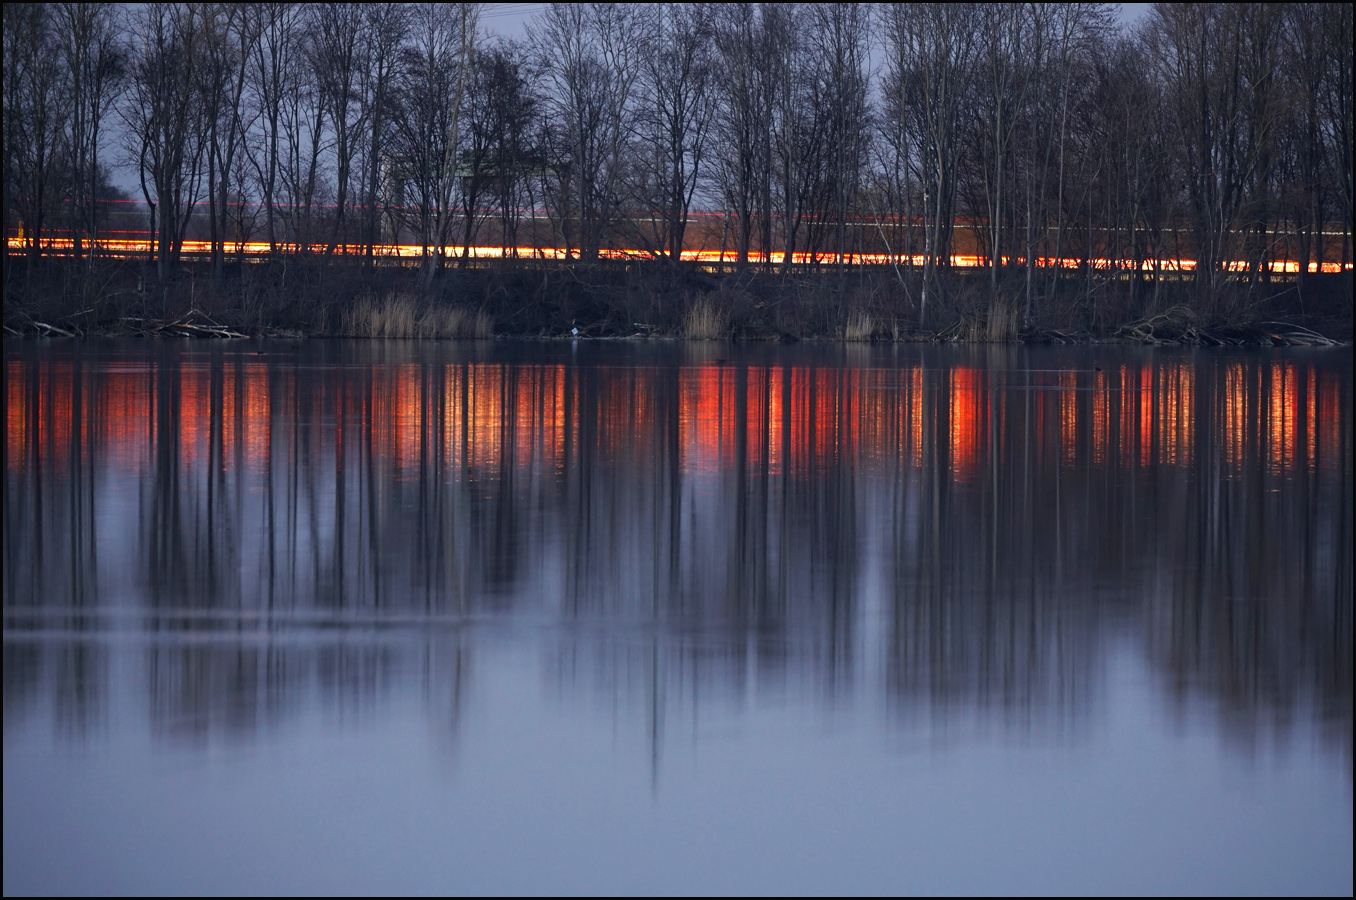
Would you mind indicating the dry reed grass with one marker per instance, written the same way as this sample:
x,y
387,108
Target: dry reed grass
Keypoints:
x,y
1001,326
860,326
704,321
403,316
998,325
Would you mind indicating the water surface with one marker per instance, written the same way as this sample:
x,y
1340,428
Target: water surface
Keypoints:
x,y
625,617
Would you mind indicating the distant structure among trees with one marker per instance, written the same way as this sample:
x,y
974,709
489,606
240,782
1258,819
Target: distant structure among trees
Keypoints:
x,y
1033,140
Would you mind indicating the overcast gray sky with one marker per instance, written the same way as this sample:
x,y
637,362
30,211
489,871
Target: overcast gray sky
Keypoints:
x,y
510,19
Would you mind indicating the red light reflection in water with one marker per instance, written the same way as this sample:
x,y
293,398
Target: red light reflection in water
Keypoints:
x,y
1290,419
1126,426
1176,418
706,417
1311,419
479,418
17,437
763,420
1234,426
1146,415
1101,418
965,418
915,417
1329,420
1068,418
1284,397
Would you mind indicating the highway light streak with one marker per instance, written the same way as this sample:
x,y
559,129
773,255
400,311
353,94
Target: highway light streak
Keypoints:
x,y
124,248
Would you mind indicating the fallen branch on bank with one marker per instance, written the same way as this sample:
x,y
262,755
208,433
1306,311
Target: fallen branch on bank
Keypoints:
x,y
1170,327
1299,336
1179,326
183,326
950,333
1054,335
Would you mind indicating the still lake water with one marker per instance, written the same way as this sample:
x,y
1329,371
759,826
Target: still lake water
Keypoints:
x,y
631,617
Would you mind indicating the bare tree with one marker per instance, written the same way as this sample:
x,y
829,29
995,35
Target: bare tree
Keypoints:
x,y
306,138
897,154
1139,194
95,64
1072,33
1336,103
497,153
384,34
514,154
840,31
35,117
162,111
673,122
435,74
277,52
1002,37
801,120
229,43
743,149
1218,63
935,46
590,55
477,172
338,57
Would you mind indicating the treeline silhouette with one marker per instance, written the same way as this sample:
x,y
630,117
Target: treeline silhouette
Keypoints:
x,y
1075,160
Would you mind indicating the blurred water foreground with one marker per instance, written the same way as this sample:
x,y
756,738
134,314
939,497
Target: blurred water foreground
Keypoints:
x,y
510,617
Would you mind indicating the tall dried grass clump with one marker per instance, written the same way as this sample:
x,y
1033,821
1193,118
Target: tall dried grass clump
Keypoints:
x,y
369,317
480,325
997,325
705,321
439,322
403,316
1001,326
860,326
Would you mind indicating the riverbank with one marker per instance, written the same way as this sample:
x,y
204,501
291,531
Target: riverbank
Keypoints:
x,y
641,299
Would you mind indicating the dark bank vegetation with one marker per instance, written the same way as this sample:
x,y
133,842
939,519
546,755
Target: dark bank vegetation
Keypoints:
x,y
641,298
901,171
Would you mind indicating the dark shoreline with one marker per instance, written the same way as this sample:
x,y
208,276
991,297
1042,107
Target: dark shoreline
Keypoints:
x,y
644,299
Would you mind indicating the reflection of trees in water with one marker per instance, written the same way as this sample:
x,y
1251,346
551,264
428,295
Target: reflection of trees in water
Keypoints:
x,y
50,496
986,611
199,690
1012,518
1252,600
